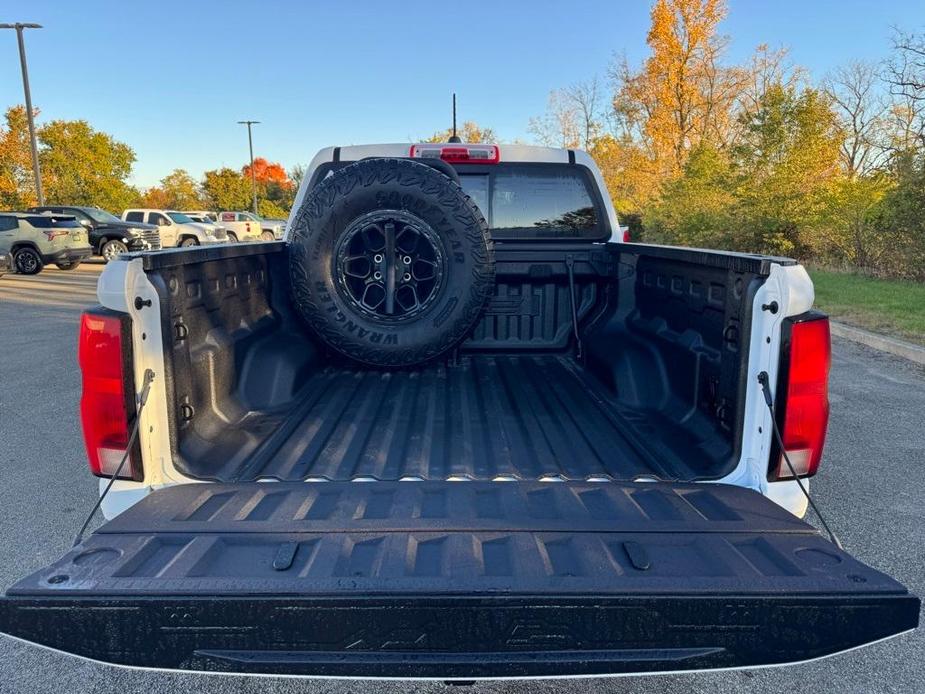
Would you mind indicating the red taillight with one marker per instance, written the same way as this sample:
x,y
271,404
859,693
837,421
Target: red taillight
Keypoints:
x,y
626,234
802,398
107,403
459,154
53,234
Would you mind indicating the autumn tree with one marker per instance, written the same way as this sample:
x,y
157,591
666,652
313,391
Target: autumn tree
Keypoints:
x,y
681,95
156,198
226,189
17,184
903,214
83,166
699,207
183,190
275,191
80,165
787,156
272,209
266,172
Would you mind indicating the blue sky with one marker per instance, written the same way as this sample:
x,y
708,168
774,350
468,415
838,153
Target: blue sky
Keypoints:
x,y
172,78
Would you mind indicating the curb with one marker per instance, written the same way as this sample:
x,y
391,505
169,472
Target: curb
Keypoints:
x,y
891,345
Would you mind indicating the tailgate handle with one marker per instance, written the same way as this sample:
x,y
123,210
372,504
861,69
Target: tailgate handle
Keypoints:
x,y
637,554
285,555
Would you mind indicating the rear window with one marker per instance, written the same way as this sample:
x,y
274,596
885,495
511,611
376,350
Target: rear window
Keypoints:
x,y
523,201
135,217
527,200
51,221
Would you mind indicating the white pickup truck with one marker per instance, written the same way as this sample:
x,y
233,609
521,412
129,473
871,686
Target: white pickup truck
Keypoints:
x,y
454,428
250,227
176,228
240,226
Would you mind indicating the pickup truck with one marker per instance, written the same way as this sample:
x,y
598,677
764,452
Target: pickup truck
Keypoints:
x,y
585,481
250,227
176,229
245,226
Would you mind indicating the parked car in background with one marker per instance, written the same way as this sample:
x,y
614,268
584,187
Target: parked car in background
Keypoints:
x,y
208,214
208,218
266,230
176,228
37,240
207,221
277,226
109,235
243,225
6,263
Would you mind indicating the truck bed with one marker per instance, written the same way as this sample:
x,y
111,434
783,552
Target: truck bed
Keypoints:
x,y
517,417
656,392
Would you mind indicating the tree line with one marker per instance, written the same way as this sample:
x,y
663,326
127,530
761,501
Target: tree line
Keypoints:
x,y
757,157
83,166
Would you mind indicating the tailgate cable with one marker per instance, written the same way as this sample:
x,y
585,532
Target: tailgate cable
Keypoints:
x,y
764,380
570,264
141,400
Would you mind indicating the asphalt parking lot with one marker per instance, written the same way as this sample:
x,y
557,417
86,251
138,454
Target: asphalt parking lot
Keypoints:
x,y
871,486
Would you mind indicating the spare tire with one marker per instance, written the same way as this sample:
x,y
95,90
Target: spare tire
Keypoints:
x,y
390,262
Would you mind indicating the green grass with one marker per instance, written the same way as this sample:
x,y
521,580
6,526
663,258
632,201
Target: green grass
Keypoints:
x,y
892,307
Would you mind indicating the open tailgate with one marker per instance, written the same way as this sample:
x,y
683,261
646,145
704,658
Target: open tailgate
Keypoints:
x,y
455,580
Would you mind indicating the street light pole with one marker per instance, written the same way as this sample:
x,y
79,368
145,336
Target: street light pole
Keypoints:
x,y
250,143
36,170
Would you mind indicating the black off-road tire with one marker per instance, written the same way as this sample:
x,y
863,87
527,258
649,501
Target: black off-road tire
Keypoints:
x,y
27,261
422,204
67,267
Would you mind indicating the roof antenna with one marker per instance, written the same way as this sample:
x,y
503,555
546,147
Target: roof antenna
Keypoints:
x,y
454,138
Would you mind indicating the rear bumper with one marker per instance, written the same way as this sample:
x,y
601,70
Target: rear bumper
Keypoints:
x,y
456,638
68,255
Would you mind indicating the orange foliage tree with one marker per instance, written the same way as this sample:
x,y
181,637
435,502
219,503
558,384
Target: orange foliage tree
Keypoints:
x,y
267,173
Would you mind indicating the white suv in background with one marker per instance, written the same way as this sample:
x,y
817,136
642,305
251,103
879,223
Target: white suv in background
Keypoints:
x,y
176,228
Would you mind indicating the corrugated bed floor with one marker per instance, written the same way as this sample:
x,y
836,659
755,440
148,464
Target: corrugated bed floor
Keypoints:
x,y
525,418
